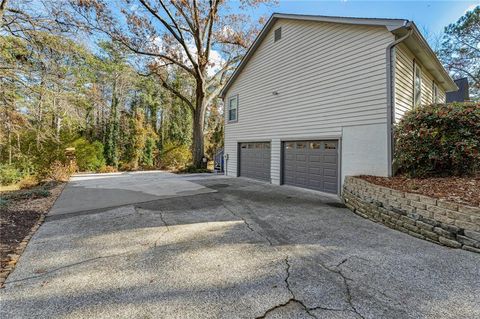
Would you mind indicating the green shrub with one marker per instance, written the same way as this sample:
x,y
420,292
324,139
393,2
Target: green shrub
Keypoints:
x,y
127,167
147,156
28,194
89,156
192,169
3,203
175,156
439,140
9,174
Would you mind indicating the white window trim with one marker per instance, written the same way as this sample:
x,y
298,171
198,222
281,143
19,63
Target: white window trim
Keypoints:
x,y
416,68
236,109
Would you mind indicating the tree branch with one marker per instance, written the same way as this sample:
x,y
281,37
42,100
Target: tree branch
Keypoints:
x,y
179,38
211,17
159,55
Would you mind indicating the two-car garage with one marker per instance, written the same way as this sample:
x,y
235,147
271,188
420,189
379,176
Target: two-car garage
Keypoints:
x,y
308,164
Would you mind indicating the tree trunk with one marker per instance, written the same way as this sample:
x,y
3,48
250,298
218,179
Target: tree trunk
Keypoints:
x,y
198,126
9,134
3,6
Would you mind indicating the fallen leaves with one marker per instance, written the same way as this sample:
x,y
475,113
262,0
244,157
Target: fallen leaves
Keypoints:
x,y
462,190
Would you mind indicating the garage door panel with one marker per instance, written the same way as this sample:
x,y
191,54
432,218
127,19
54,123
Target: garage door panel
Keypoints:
x,y
301,169
315,158
332,159
315,171
290,157
315,164
330,172
300,158
311,164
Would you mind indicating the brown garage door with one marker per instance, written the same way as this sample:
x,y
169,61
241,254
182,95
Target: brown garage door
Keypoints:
x,y
255,160
311,164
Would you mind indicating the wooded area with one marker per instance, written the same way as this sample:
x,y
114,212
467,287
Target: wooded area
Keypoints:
x,y
133,84
131,87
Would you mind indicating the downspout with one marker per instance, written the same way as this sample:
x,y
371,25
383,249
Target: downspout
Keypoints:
x,y
390,99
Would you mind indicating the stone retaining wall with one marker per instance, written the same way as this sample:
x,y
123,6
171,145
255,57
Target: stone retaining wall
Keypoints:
x,y
439,221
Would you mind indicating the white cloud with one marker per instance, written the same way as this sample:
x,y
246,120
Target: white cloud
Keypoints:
x,y
227,31
217,62
133,7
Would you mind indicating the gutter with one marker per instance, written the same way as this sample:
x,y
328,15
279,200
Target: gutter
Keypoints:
x,y
390,97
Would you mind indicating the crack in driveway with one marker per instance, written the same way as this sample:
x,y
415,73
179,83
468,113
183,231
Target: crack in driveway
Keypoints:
x,y
309,310
249,226
293,298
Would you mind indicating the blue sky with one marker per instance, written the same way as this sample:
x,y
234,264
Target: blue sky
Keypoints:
x,y
432,16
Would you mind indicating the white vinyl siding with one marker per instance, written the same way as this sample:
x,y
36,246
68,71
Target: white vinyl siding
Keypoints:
x,y
328,76
404,77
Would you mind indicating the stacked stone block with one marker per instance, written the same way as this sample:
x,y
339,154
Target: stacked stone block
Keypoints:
x,y
439,221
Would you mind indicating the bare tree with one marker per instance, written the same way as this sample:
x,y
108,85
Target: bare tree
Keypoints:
x,y
203,40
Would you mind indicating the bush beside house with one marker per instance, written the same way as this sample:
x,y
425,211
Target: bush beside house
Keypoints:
x,y
439,140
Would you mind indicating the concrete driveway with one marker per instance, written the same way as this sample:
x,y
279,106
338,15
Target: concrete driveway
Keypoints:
x,y
157,245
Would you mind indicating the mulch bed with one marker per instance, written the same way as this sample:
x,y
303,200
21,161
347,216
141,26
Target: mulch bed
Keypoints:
x,y
462,190
23,211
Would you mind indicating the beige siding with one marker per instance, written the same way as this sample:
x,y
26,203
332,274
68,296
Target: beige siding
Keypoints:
x,y
404,61
328,76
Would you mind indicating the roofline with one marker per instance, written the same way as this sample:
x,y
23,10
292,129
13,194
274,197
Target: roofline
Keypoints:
x,y
392,25
261,35
450,83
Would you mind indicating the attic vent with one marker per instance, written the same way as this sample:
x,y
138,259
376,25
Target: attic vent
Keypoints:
x,y
278,34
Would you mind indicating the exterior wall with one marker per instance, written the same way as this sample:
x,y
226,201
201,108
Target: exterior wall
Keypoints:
x,y
364,150
424,217
330,79
404,61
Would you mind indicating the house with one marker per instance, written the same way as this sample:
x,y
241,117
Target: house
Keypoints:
x,y
315,98
461,95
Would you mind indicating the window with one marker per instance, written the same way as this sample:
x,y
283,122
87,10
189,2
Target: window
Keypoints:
x,y
233,109
417,86
330,146
435,98
314,145
289,146
301,145
277,35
